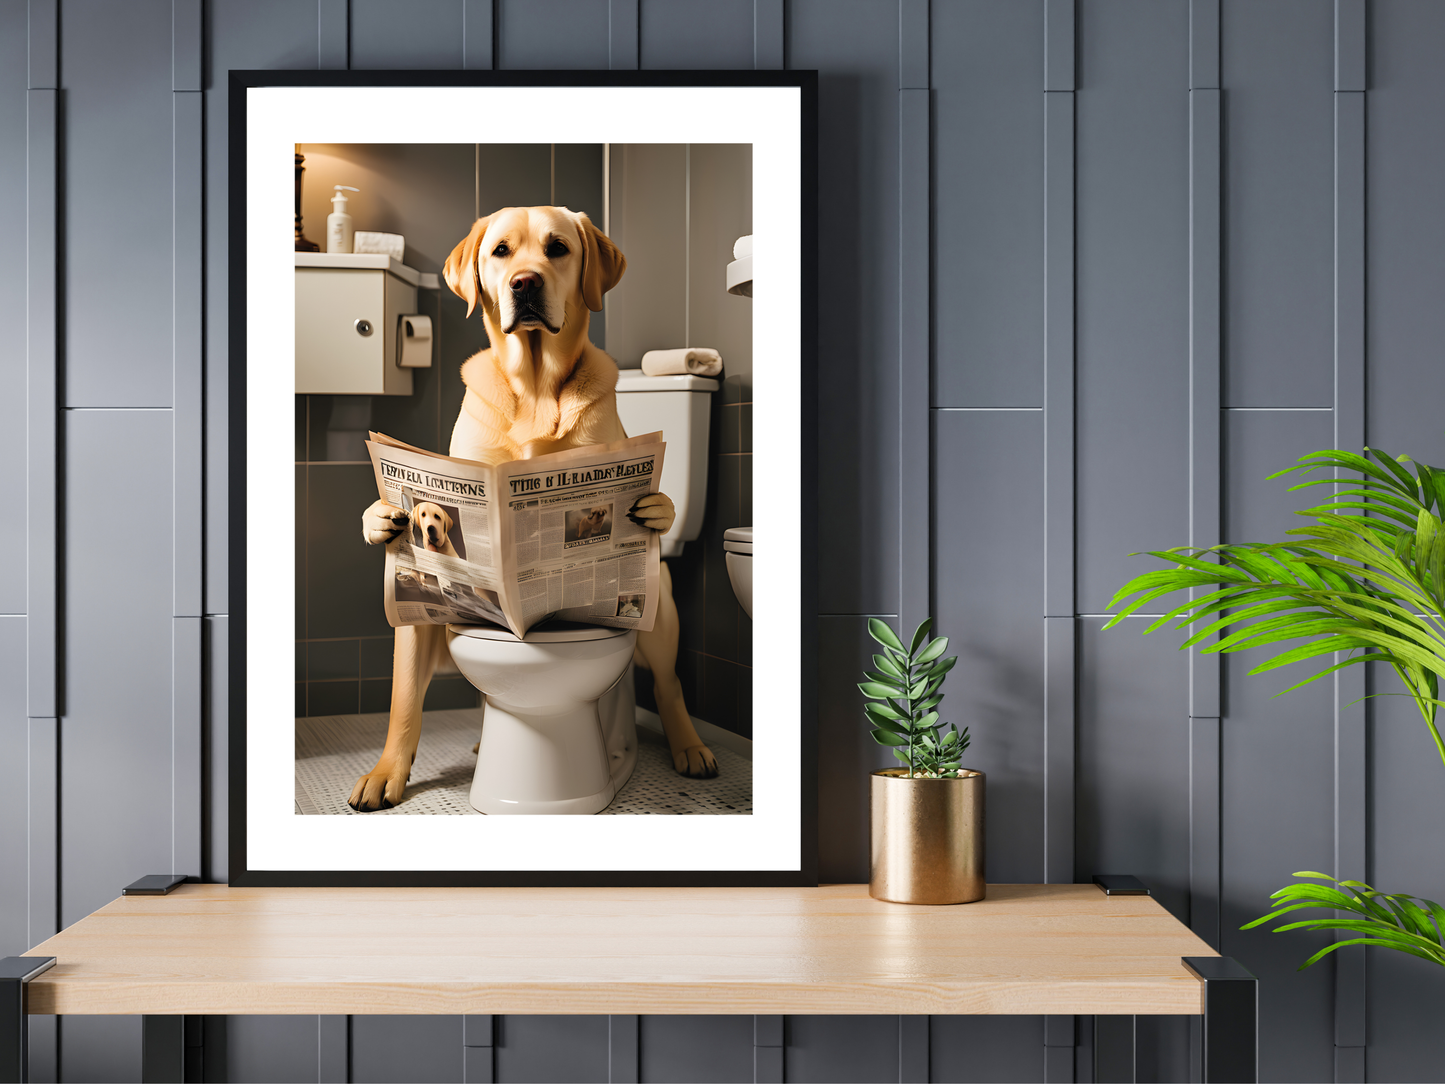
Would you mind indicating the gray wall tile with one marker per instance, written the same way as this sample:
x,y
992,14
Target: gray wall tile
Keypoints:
x,y
330,659
13,127
239,34
989,602
696,1048
847,753
100,1048
1277,766
840,1048
986,1048
341,567
418,34
721,204
695,33
1256,445
443,692
332,698
391,1049
528,38
1277,70
116,267
854,43
1132,289
299,505
1133,766
988,244
1406,228
1161,1048
648,308
460,339
14,800
548,1048
116,734
1405,781
267,1049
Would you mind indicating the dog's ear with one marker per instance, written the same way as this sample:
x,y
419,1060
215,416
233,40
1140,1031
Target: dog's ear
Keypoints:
x,y
460,270
602,263
447,519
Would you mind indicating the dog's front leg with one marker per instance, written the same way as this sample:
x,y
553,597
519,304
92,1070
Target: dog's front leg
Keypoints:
x,y
417,652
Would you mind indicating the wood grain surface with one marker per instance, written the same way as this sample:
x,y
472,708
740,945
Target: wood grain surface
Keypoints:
x,y
1025,949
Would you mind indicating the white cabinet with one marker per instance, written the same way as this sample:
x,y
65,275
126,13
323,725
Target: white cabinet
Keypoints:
x,y
348,309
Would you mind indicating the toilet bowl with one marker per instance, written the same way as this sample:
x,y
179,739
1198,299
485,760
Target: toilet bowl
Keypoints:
x,y
545,748
738,554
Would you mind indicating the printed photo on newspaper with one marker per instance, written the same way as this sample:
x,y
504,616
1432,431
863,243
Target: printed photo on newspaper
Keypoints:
x,y
519,542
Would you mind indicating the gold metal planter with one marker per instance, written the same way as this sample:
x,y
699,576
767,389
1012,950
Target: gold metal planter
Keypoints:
x,y
927,843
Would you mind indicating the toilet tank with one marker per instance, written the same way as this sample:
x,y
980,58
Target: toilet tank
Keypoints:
x,y
680,407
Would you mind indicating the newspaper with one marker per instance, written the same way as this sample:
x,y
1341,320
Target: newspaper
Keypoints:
x,y
519,542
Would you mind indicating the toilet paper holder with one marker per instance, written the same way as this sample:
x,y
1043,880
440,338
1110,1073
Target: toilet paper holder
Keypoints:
x,y
413,341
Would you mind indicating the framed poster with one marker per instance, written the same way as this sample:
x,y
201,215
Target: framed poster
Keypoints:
x,y
487,626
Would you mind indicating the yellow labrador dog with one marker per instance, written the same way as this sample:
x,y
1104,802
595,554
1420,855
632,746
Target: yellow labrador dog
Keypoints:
x,y
541,386
435,526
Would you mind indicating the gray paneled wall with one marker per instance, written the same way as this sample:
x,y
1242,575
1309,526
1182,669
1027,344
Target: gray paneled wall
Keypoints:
x,y
1090,270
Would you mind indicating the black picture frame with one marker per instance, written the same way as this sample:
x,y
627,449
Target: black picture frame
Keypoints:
x,y
242,872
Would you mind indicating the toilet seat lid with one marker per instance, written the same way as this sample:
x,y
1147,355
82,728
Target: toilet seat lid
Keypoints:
x,y
548,632
738,540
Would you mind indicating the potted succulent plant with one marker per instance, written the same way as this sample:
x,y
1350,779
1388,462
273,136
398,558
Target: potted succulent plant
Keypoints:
x,y
927,815
1366,580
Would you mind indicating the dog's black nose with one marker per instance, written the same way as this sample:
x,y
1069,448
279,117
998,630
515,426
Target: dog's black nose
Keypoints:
x,y
526,285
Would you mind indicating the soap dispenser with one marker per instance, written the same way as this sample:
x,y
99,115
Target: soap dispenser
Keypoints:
x,y
338,222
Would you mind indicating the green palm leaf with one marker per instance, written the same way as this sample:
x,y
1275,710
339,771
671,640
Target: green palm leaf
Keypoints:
x,y
1363,582
1398,923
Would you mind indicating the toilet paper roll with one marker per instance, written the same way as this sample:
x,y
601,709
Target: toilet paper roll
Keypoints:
x,y
697,360
413,342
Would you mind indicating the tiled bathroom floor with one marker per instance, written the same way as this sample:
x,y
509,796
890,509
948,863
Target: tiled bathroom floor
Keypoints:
x,y
332,752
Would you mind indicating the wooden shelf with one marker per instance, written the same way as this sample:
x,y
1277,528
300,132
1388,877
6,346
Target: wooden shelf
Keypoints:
x,y
1025,949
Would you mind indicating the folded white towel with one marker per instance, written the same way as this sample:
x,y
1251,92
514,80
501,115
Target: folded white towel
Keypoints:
x,y
387,244
697,360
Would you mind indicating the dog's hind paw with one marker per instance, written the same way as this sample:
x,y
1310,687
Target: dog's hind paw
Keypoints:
x,y
378,789
695,762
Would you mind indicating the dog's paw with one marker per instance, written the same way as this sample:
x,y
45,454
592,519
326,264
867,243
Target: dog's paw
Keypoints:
x,y
380,788
655,510
382,523
695,762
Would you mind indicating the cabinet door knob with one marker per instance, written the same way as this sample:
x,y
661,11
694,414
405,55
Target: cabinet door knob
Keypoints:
x,y
363,327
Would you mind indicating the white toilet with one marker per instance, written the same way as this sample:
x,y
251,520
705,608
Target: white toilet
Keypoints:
x,y
738,553
545,746
680,406
559,732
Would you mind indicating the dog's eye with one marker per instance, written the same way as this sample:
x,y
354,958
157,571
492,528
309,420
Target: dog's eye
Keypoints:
x,y
502,250
556,250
